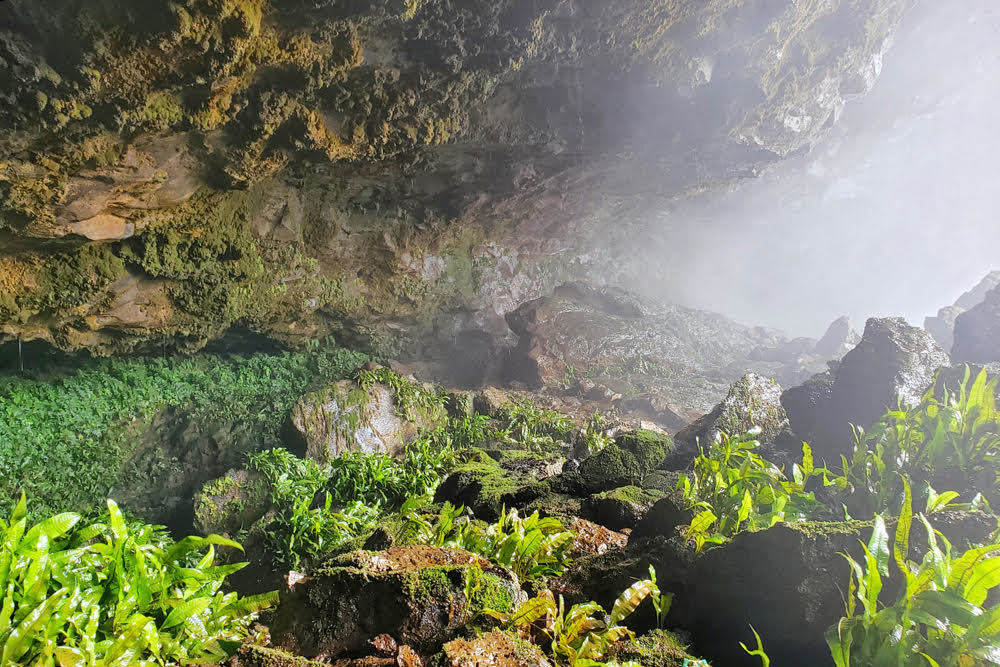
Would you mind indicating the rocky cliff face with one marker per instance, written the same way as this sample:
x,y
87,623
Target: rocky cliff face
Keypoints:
x,y
415,168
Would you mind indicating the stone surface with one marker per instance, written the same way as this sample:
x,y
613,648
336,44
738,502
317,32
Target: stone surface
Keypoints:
x,y
232,502
415,594
620,508
752,401
942,326
676,362
663,518
893,362
493,649
418,168
977,331
346,418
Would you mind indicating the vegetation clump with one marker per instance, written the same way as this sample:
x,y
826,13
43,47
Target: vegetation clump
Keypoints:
x,y
115,593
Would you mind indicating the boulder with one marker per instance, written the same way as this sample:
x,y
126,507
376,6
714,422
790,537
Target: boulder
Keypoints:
x,y
232,502
493,649
839,339
942,326
485,487
650,448
893,362
751,401
787,582
421,596
977,331
344,417
804,403
620,508
658,648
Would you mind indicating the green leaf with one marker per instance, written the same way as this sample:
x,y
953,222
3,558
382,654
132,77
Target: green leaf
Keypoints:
x,y
878,546
184,610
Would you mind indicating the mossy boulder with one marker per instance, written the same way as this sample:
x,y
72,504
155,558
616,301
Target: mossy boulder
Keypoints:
x,y
344,417
650,448
232,502
752,401
620,508
661,480
499,649
485,487
610,468
658,648
421,596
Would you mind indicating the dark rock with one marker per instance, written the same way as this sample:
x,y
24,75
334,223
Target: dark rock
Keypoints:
x,y
417,594
620,508
893,362
977,332
787,582
751,401
664,517
803,405
486,488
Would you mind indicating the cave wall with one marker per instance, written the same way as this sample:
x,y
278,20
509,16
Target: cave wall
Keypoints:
x,y
403,172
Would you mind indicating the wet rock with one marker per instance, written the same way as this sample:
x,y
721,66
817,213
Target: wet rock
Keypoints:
x,y
893,362
620,508
232,502
650,448
786,581
977,332
594,539
493,649
346,418
751,401
416,594
804,403
490,400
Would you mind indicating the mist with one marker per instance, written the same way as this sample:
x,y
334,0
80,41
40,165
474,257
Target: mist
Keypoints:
x,y
893,213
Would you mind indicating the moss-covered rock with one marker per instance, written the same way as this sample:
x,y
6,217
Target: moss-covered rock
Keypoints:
x,y
486,488
658,648
649,448
421,596
664,517
620,508
610,468
232,502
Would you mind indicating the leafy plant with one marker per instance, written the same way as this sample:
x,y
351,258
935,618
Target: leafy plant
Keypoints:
x,y
951,440
412,399
733,488
113,594
581,635
303,529
940,615
523,423
532,547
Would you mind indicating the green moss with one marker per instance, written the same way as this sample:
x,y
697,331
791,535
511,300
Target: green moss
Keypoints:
x,y
487,591
648,447
428,584
658,648
610,468
632,495
830,528
251,655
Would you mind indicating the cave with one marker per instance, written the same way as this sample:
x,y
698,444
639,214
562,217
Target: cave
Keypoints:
x,y
559,333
